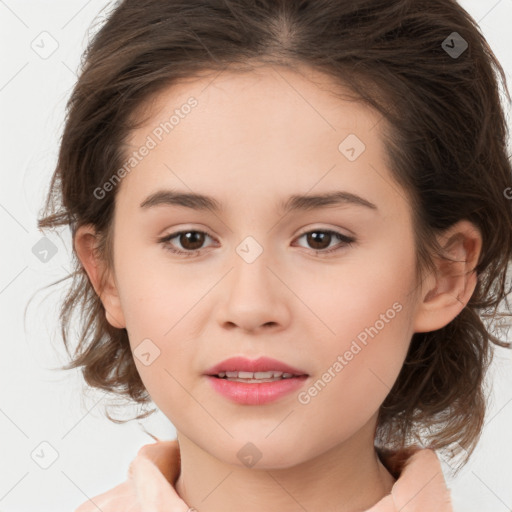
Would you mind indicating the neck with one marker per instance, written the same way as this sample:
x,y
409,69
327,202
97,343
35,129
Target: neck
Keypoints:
x,y
349,477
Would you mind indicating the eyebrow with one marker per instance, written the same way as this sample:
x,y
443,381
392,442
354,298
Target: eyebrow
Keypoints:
x,y
293,203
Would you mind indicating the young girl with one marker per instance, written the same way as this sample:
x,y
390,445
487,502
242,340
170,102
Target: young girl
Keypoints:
x,y
291,221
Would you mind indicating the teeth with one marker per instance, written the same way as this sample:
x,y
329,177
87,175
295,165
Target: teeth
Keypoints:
x,y
255,375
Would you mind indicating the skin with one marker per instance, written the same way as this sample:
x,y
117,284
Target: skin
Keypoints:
x,y
253,140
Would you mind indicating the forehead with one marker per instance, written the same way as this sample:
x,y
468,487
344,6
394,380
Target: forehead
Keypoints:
x,y
235,133
266,97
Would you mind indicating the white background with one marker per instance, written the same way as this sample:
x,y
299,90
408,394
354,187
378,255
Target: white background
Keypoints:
x,y
38,404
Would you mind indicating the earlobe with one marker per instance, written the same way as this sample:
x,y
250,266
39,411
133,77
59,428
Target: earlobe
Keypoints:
x,y
448,291
85,242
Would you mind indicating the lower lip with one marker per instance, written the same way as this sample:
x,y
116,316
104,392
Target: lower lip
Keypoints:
x,y
257,393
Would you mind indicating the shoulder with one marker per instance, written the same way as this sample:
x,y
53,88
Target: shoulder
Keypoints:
x,y
119,497
419,479
151,475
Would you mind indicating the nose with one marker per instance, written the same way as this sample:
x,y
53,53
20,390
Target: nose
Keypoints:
x,y
254,296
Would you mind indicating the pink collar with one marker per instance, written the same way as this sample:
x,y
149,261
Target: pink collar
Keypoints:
x,y
420,486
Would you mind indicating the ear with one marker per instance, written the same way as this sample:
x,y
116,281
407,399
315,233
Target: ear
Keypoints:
x,y
85,244
445,293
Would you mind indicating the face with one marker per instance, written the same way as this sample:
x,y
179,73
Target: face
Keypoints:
x,y
328,289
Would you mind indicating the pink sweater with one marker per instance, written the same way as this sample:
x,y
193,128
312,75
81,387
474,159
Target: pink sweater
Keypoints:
x,y
419,486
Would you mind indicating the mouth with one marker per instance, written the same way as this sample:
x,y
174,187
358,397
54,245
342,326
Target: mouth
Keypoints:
x,y
255,382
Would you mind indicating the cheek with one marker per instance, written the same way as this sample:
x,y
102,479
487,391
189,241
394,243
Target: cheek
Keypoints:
x,y
155,293
356,369
365,333
157,307
366,296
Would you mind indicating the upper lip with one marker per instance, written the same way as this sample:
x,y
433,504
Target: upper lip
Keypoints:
x,y
262,364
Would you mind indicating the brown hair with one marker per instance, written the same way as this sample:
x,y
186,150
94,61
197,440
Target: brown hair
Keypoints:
x,y
446,140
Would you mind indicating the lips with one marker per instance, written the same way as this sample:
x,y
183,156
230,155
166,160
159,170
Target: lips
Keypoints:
x,y
263,364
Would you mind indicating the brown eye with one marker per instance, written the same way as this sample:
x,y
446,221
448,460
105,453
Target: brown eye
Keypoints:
x,y
190,240
320,239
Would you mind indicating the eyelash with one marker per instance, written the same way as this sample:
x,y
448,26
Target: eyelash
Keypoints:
x,y
165,241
